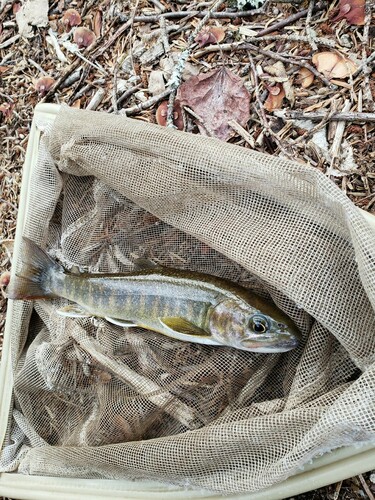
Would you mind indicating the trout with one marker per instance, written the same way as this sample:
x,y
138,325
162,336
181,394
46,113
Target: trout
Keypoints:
x,y
184,305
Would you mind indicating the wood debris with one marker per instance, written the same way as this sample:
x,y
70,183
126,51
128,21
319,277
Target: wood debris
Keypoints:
x,y
315,59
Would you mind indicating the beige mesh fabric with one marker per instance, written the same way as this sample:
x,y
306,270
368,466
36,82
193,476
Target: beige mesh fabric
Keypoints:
x,y
96,400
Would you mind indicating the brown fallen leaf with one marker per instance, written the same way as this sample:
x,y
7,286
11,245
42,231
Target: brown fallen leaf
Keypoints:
x,y
76,104
97,24
275,97
216,97
210,34
353,11
305,78
334,65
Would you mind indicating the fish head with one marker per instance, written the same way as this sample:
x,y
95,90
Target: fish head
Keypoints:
x,y
240,325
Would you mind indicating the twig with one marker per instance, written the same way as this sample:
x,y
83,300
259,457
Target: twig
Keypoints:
x,y
114,90
146,104
365,487
325,42
126,96
320,115
155,18
242,132
311,35
101,48
210,133
36,65
10,41
158,5
225,47
164,35
83,90
289,20
260,111
335,148
96,99
366,71
337,491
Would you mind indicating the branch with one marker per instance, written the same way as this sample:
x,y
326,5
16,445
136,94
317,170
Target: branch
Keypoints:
x,y
320,115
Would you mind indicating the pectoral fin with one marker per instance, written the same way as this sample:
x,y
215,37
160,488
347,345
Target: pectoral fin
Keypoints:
x,y
120,322
73,311
182,325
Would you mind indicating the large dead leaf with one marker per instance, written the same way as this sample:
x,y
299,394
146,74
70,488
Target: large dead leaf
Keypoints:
x,y
216,97
353,11
334,65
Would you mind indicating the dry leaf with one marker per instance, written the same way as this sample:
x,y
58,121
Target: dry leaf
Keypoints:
x,y
97,28
217,97
211,34
280,76
275,97
76,104
334,65
353,11
305,78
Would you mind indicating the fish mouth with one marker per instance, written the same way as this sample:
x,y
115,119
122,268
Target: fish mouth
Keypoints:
x,y
283,344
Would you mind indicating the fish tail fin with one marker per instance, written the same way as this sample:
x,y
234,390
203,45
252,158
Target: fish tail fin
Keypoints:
x,y
37,273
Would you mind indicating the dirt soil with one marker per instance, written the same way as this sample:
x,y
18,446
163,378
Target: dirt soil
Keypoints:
x,y
296,79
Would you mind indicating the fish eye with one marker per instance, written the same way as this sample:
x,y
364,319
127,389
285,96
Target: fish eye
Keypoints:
x,y
259,323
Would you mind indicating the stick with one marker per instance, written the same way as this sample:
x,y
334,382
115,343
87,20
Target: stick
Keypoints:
x,y
242,133
261,113
289,20
273,55
310,32
320,115
335,148
366,488
126,95
96,99
146,104
155,18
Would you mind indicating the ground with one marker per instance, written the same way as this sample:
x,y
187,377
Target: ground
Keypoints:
x,y
302,72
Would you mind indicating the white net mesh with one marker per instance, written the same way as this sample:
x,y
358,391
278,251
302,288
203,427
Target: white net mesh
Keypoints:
x,y
96,400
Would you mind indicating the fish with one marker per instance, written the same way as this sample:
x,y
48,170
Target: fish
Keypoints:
x,y
184,305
